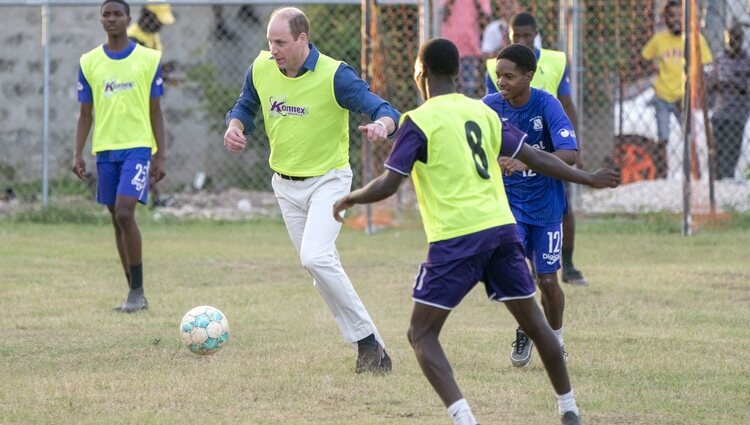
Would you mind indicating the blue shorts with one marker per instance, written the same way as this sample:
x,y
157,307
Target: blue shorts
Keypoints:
x,y
503,271
123,173
542,245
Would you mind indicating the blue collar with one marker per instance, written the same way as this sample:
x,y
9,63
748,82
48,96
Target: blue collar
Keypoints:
x,y
310,61
122,54
312,58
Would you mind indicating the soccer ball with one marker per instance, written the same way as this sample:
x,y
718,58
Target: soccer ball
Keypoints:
x,y
204,330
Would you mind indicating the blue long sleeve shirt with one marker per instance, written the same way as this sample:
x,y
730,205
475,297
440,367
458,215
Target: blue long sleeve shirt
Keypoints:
x,y
351,93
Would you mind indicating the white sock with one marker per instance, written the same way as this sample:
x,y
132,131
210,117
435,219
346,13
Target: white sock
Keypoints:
x,y
567,403
461,413
558,334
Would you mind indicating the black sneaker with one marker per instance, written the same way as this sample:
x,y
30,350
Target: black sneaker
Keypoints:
x,y
136,301
570,418
573,276
374,360
520,355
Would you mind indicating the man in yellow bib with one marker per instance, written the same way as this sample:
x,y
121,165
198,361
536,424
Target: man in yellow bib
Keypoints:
x,y
305,98
120,81
450,146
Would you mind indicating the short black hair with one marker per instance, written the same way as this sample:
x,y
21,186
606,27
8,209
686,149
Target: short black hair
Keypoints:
x,y
523,19
522,56
122,2
440,57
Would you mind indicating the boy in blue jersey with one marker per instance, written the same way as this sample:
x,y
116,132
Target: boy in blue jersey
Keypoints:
x,y
537,201
553,75
119,84
470,229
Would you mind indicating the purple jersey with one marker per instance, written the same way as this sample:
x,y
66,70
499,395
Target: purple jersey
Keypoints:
x,y
535,198
410,147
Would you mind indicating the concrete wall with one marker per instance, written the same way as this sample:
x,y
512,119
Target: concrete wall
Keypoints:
x,y
193,144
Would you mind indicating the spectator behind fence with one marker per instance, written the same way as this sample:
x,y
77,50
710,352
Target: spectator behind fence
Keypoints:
x,y
728,87
666,49
463,22
146,30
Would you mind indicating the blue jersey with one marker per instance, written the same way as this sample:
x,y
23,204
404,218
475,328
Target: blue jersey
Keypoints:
x,y
535,198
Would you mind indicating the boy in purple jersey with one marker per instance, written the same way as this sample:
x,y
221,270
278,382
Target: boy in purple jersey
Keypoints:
x,y
492,254
537,201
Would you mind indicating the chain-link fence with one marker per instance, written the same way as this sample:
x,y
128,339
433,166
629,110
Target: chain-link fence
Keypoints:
x,y
211,44
614,93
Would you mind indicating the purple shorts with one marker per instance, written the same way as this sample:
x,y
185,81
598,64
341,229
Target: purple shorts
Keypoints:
x,y
123,173
503,271
542,245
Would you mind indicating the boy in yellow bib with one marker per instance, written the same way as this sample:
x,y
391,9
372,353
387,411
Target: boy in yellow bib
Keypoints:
x,y
450,146
119,85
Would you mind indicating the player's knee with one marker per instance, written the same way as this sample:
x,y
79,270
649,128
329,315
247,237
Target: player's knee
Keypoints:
x,y
314,260
415,336
124,216
547,281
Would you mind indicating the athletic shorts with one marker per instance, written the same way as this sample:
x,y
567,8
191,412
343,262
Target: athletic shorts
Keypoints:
x,y
123,173
503,271
542,245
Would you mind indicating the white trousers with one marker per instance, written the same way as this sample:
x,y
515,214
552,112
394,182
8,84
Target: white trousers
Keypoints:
x,y
307,209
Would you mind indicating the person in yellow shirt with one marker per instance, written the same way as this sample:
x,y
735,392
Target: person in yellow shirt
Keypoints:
x,y
146,31
666,48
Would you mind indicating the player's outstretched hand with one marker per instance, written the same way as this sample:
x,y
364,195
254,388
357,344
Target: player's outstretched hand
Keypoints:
x,y
340,206
374,132
605,177
234,140
511,165
158,169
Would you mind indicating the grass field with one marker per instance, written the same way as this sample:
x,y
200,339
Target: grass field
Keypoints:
x,y
661,336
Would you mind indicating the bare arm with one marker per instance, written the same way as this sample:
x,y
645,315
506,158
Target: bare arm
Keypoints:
x,y
158,164
513,165
82,133
378,189
552,166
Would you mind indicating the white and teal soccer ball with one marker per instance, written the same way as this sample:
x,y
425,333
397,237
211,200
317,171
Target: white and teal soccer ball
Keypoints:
x,y
204,330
